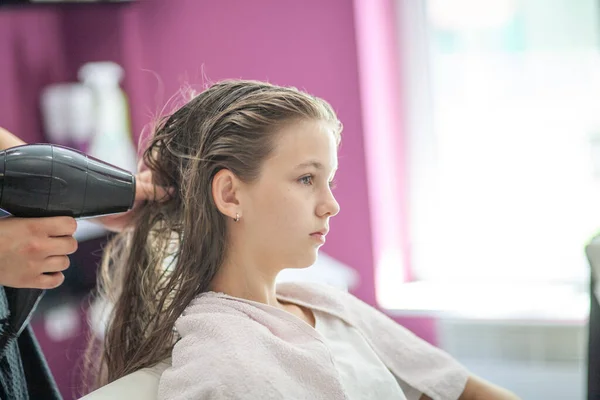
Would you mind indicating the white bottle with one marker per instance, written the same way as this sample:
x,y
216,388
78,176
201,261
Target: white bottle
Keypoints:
x,y
111,141
68,114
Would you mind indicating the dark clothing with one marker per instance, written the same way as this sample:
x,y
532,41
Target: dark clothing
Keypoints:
x,y
24,373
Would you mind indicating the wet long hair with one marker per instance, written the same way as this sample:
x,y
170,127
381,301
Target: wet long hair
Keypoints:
x,y
173,249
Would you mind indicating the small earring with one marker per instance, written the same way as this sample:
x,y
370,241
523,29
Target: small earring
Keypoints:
x,y
237,217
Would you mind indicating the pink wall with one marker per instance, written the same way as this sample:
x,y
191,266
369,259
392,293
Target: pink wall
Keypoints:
x,y
383,131
33,54
385,143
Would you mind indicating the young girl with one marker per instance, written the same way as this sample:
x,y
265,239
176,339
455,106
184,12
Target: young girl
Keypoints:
x,y
194,282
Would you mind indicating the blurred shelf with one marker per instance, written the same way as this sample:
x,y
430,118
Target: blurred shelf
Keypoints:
x,y
31,3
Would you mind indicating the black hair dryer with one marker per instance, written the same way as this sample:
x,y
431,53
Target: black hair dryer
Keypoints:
x,y
45,180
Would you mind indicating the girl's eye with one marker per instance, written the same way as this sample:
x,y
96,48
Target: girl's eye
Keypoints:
x,y
332,184
306,180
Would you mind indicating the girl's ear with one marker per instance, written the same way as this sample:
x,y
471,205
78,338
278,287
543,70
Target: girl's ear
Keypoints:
x,y
225,186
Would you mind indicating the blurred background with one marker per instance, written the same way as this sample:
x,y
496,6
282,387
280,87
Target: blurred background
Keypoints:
x,y
469,175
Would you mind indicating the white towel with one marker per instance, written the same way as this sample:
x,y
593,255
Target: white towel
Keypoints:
x,y
233,348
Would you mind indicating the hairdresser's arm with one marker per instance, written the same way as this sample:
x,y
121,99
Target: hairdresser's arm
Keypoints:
x,y
8,140
480,389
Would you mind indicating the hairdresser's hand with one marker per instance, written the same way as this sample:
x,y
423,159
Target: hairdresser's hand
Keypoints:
x,y
144,190
33,251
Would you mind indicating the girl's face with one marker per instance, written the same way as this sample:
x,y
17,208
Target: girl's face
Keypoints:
x,y
286,211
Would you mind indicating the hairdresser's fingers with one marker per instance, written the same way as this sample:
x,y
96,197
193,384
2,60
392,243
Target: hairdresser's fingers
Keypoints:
x,y
60,246
146,190
54,226
144,176
141,165
149,191
49,280
56,264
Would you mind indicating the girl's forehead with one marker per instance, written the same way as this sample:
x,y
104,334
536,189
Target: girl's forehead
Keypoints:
x,y
306,139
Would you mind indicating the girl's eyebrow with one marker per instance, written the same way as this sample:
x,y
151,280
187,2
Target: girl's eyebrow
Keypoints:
x,y
315,164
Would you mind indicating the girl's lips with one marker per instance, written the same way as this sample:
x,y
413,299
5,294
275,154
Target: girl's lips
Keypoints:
x,y
318,236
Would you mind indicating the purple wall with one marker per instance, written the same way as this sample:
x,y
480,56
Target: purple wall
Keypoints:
x,y
310,44
33,55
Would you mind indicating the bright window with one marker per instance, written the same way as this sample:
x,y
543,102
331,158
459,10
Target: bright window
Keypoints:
x,y
503,105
